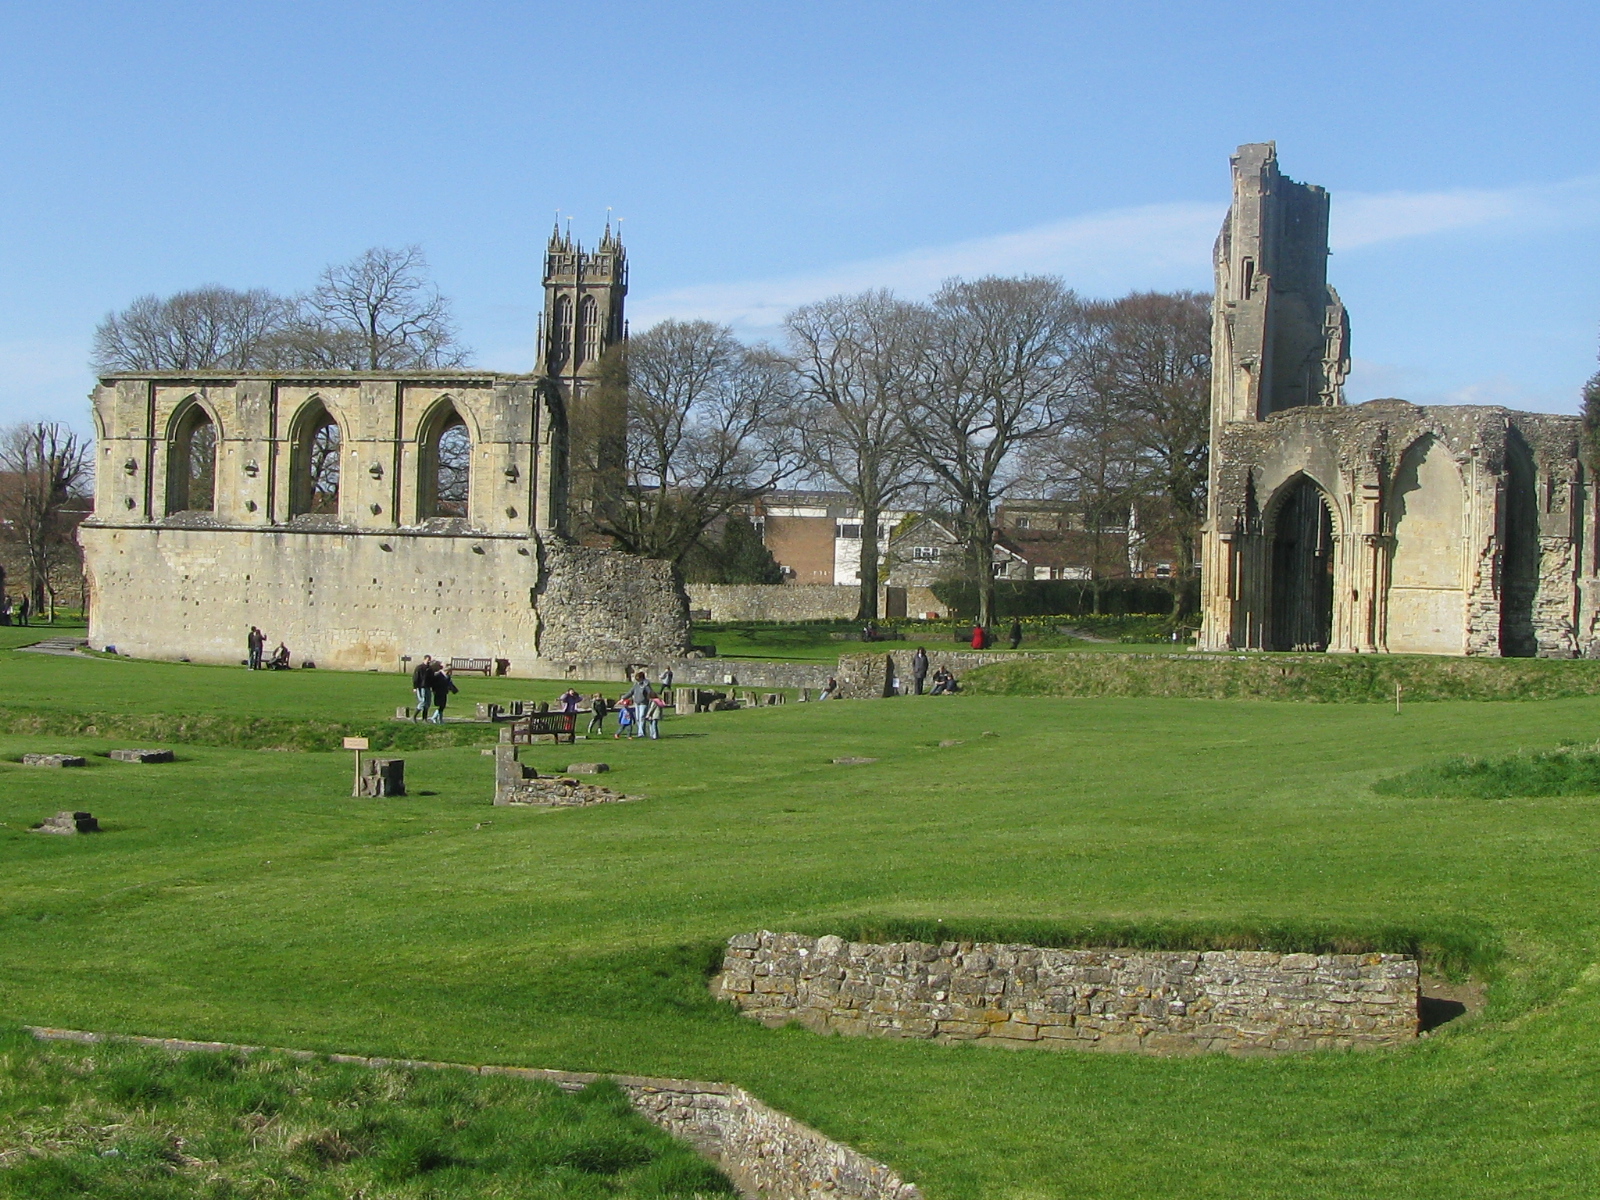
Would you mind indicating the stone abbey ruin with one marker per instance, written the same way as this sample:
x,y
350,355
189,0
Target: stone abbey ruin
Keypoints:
x,y
363,517
1378,527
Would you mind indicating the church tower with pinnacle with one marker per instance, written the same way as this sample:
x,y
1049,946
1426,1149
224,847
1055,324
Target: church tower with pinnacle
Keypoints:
x,y
583,319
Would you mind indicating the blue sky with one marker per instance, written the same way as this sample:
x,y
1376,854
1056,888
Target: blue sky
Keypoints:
x,y
763,154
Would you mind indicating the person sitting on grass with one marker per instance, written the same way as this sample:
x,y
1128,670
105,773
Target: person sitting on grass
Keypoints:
x,y
831,692
944,683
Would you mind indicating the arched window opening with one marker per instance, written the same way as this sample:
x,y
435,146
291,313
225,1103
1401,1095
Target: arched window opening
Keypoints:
x,y
192,463
317,451
588,332
446,464
561,331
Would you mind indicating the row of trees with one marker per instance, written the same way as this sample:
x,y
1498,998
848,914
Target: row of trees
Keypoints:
x,y
378,312
993,387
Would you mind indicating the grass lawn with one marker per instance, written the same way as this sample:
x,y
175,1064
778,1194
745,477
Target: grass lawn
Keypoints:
x,y
244,896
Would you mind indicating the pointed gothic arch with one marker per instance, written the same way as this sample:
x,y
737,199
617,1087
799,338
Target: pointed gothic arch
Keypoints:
x,y
445,459
1300,529
315,460
192,440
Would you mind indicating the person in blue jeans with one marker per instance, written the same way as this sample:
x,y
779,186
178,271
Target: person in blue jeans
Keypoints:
x,y
652,718
641,694
422,685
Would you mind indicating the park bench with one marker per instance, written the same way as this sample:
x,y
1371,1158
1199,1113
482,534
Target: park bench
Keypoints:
x,y
489,666
561,727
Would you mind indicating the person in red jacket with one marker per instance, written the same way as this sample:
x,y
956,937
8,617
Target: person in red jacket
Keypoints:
x,y
978,638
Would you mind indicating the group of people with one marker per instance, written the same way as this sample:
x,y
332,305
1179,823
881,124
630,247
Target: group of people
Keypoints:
x,y
638,709
944,681
15,612
256,644
433,684
982,639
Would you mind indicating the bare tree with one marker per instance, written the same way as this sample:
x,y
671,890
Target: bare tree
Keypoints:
x,y
378,312
1153,369
205,328
44,467
852,362
1000,364
706,432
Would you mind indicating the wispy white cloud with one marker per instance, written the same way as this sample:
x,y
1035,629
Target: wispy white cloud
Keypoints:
x,y
1160,245
1153,246
1362,219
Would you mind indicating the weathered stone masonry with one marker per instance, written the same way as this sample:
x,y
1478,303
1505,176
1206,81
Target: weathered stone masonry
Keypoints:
x,y
1238,1001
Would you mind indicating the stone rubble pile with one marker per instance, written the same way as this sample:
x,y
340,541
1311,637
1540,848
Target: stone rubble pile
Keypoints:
x,y
1150,1001
54,760
68,823
142,756
516,785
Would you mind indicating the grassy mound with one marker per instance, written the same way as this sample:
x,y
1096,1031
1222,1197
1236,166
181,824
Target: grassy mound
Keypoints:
x,y
241,732
119,1121
1566,772
1455,950
1323,678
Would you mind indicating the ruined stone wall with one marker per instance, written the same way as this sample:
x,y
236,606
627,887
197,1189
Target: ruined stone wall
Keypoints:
x,y
344,599
872,676
1239,1001
606,606
768,1154
774,602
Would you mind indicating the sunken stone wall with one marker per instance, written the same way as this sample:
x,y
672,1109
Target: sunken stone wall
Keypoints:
x,y
1238,1001
766,1153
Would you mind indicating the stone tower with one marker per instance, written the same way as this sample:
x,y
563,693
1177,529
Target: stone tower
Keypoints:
x,y
583,318
1280,336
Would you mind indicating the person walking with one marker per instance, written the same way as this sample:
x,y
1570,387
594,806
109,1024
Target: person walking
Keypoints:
x,y
441,684
641,694
598,708
624,717
919,669
422,685
256,642
666,682
1016,633
23,609
652,718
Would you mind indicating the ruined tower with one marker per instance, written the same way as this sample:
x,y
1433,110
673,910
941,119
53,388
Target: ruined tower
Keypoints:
x,y
583,318
1281,337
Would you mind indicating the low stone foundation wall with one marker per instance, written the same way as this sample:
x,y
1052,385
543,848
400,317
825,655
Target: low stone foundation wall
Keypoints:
x,y
871,676
768,1155
738,672
1238,1001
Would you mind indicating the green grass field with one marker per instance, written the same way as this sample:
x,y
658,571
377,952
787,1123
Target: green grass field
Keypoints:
x,y
242,895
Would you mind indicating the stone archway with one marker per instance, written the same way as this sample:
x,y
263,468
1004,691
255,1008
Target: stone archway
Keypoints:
x,y
1302,569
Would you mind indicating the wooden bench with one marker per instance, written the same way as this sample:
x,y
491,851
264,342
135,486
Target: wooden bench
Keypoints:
x,y
486,665
563,727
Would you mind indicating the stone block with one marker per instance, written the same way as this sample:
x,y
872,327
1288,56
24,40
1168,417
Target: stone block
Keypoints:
x,y
143,756
54,760
588,768
381,777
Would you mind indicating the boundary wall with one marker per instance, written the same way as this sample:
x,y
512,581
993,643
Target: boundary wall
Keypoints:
x,y
767,1154
1149,1001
